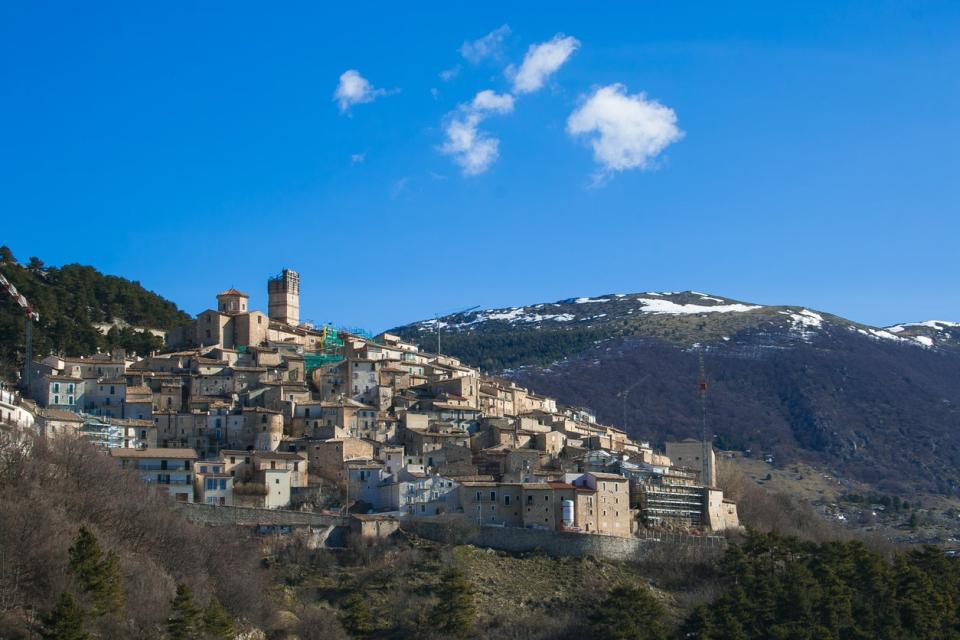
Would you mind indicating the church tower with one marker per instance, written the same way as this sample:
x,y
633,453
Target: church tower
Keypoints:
x,y
283,292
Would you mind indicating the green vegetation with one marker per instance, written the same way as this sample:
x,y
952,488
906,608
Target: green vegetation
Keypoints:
x,y
893,503
498,351
454,614
70,300
65,622
217,622
184,621
780,588
98,574
87,548
628,613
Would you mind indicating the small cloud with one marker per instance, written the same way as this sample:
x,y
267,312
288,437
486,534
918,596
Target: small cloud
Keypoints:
x,y
357,158
399,186
489,46
436,176
434,92
541,61
355,89
625,131
488,100
474,150
449,74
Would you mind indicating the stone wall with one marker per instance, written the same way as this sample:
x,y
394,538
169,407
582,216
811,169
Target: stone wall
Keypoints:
x,y
247,516
559,543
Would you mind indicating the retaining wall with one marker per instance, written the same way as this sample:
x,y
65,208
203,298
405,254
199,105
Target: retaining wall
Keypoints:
x,y
209,514
561,543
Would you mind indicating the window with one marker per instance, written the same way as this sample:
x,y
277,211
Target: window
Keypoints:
x,y
277,481
203,469
223,484
56,387
56,399
506,500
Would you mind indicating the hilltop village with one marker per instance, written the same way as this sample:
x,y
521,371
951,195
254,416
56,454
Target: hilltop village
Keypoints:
x,y
260,410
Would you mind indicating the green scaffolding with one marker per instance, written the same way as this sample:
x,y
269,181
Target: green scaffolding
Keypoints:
x,y
331,351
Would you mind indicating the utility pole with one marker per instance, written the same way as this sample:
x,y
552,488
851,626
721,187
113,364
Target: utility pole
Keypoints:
x,y
32,316
436,322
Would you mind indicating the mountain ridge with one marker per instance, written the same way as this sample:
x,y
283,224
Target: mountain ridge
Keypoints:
x,y
877,403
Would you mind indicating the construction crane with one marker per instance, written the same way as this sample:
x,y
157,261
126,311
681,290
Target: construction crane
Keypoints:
x,y
32,316
436,321
626,394
707,446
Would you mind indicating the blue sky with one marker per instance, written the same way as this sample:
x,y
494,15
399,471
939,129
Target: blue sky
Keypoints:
x,y
780,153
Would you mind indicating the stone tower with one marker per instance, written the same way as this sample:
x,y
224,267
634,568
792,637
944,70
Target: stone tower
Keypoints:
x,y
271,432
284,297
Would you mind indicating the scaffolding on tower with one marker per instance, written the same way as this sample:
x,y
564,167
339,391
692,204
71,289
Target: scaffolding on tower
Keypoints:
x,y
330,350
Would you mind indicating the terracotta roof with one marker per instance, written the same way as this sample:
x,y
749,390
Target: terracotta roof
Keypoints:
x,y
60,414
606,476
232,292
279,455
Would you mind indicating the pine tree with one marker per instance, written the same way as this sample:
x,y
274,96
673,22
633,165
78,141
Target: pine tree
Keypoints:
x,y
454,613
698,625
628,613
85,557
217,623
65,622
357,619
184,621
99,575
108,589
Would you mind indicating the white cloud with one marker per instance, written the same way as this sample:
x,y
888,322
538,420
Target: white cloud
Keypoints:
x,y
489,46
542,61
488,100
355,89
399,187
449,74
625,131
357,158
474,150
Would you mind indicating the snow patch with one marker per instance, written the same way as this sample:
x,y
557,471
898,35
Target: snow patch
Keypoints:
x,y
938,325
804,322
586,300
668,307
924,340
704,296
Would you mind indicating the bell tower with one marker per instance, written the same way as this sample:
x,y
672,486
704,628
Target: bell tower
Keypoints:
x,y
283,292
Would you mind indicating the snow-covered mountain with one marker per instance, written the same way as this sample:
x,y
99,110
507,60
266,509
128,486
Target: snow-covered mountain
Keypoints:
x,y
879,403
644,312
